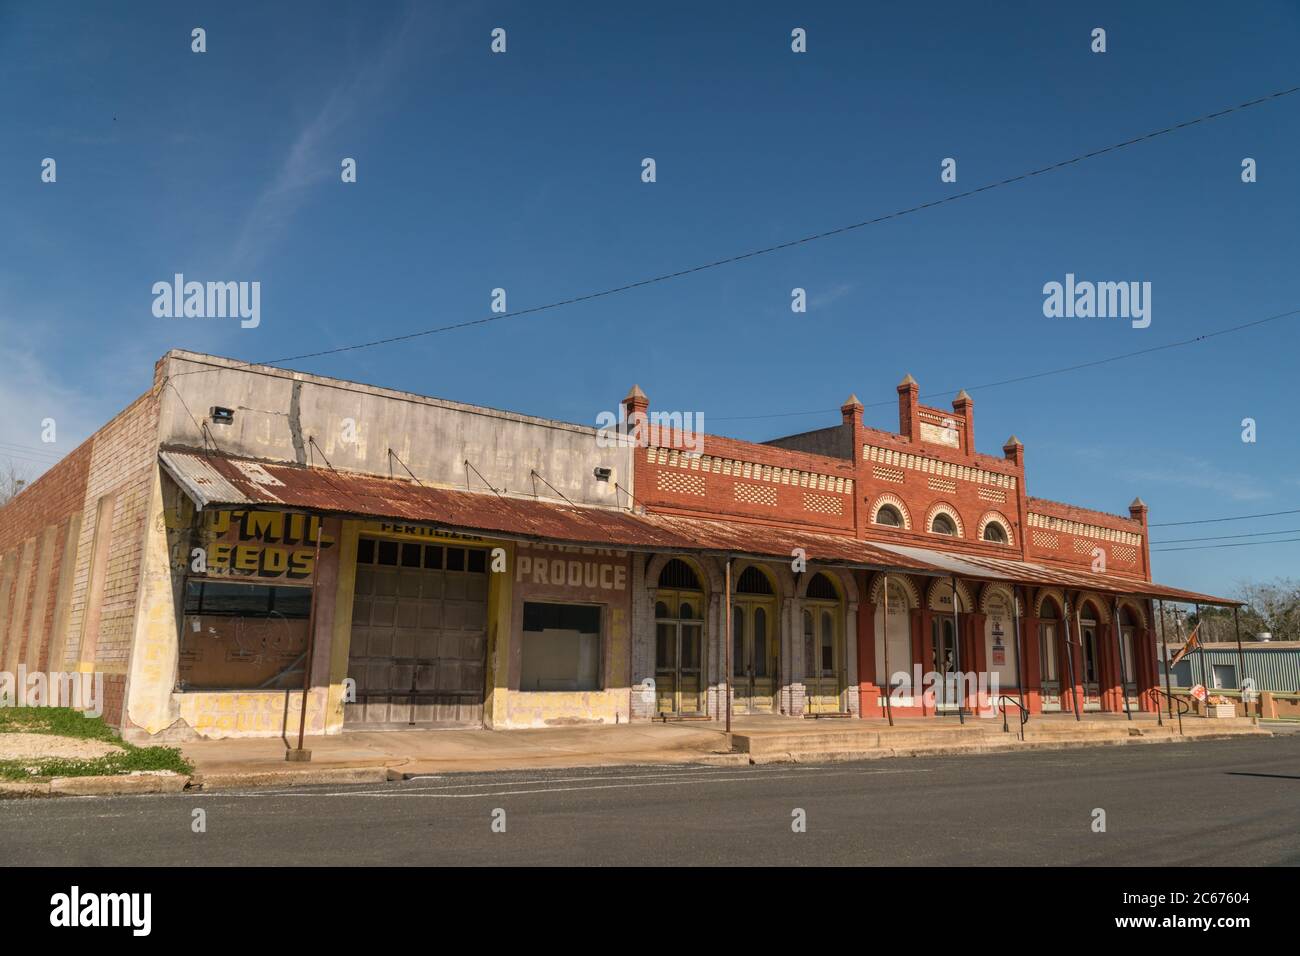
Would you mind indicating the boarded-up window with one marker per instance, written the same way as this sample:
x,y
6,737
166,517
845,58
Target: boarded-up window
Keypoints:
x,y
561,647
240,635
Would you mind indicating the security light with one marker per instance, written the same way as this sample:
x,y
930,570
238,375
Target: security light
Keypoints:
x,y
602,474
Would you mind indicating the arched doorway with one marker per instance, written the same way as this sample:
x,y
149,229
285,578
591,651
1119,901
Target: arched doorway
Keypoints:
x,y
755,643
1049,655
823,646
1128,625
896,633
1091,656
680,680
949,685
1000,640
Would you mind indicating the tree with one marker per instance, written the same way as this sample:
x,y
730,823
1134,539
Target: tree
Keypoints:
x,y
1276,604
12,480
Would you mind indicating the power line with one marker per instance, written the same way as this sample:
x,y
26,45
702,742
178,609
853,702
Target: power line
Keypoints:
x,y
1208,547
839,230
1266,514
1055,371
1228,537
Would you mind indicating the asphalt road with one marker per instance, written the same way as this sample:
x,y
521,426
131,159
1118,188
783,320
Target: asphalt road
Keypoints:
x,y
1208,802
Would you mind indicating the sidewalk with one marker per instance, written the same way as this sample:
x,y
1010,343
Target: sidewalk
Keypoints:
x,y
374,756
385,754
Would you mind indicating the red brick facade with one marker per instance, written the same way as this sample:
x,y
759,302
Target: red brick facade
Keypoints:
x,y
838,479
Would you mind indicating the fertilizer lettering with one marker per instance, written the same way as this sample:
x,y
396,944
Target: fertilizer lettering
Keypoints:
x,y
255,535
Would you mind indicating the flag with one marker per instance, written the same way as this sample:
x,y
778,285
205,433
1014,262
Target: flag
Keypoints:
x,y
1191,642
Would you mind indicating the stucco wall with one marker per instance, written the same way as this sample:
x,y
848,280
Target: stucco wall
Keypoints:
x,y
294,417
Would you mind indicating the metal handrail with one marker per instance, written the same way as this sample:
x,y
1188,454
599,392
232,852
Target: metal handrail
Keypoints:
x,y
1024,714
1184,705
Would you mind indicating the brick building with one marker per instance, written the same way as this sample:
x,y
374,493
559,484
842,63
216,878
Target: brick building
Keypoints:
x,y
241,531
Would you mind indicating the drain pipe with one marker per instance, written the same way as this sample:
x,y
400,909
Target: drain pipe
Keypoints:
x,y
301,755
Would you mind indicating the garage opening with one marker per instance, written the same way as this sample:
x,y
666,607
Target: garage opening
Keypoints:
x,y
419,635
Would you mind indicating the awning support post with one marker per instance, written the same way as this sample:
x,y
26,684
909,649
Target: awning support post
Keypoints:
x,y
728,640
1169,686
1123,671
1241,663
1069,660
1020,660
301,755
958,677
1200,656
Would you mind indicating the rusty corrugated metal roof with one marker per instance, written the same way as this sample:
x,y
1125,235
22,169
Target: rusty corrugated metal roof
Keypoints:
x,y
213,479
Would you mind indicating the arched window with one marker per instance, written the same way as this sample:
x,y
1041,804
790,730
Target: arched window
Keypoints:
x,y
942,524
678,574
753,581
995,532
888,515
820,588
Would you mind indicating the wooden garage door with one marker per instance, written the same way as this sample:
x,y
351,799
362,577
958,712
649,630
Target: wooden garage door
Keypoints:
x,y
419,635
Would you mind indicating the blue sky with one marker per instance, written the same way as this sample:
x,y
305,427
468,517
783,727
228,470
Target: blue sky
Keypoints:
x,y
522,171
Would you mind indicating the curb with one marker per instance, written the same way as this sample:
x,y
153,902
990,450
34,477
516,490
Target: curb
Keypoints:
x,y
101,786
239,780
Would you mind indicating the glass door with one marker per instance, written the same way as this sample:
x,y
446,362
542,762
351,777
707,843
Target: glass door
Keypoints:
x,y
753,657
943,645
1091,666
1049,666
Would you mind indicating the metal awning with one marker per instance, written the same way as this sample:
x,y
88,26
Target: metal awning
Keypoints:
x,y
1031,572
212,480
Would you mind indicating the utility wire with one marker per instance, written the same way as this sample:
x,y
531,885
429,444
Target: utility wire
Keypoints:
x,y
754,253
1266,514
1208,547
1228,537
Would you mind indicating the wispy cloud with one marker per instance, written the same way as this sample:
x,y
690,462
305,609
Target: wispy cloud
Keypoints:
x,y
308,161
1193,472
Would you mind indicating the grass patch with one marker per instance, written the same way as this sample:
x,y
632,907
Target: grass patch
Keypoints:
x,y
65,722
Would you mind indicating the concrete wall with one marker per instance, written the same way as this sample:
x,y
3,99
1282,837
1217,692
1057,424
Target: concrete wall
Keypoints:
x,y
279,414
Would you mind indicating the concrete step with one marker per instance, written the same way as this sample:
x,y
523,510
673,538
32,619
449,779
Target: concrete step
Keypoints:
x,y
977,736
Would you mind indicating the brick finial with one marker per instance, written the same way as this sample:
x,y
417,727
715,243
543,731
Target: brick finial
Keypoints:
x,y
963,406
1014,451
636,401
851,410
1138,510
908,400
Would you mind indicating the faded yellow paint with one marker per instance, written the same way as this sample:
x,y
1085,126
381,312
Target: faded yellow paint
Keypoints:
x,y
608,706
252,713
154,646
341,642
497,671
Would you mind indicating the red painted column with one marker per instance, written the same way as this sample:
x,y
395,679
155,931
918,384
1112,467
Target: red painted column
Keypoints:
x,y
922,652
979,652
1113,693
1031,669
868,688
